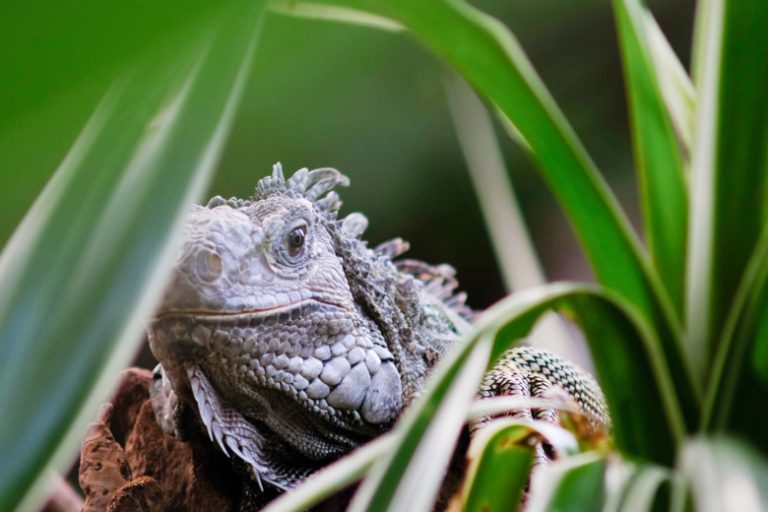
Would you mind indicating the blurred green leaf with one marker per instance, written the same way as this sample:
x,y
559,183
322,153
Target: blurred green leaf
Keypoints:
x,y
575,483
676,86
84,269
740,368
631,487
725,475
334,13
728,201
658,162
489,58
500,459
515,253
47,48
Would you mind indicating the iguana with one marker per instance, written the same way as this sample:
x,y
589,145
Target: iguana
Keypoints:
x,y
293,342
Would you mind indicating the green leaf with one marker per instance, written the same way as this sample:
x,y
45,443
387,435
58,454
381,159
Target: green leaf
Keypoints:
x,y
500,457
64,52
500,460
725,475
490,59
676,86
86,266
625,353
740,369
334,13
575,483
636,487
658,160
494,63
728,201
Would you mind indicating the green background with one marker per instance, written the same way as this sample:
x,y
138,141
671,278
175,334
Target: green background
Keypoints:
x,y
367,102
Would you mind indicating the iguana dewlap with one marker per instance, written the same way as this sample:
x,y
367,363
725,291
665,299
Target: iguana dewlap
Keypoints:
x,y
294,342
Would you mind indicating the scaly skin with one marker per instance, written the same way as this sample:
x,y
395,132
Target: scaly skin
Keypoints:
x,y
293,341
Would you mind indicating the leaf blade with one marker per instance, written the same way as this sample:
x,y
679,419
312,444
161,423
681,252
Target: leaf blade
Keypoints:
x,y
728,164
500,458
676,86
724,475
128,182
658,161
739,372
573,484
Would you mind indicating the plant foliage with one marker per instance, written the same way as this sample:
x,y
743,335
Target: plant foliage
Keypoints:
x,y
678,329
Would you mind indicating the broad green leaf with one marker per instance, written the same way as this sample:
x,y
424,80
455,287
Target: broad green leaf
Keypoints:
x,y
634,487
50,50
490,59
725,475
740,369
676,86
728,195
624,354
85,267
658,161
500,458
575,483
334,13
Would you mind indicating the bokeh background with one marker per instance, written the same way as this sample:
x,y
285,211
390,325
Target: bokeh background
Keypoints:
x,y
369,103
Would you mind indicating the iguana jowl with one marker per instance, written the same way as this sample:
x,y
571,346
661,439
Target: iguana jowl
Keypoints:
x,y
295,342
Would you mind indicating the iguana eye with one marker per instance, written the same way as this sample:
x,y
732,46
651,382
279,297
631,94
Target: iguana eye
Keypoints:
x,y
209,265
296,239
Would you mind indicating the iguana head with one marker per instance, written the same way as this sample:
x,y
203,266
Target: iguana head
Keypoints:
x,y
296,323
261,257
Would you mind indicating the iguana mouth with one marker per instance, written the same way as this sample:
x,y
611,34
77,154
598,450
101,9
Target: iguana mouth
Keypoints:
x,y
246,314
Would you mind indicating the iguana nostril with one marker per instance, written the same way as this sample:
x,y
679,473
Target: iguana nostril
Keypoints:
x,y
208,265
